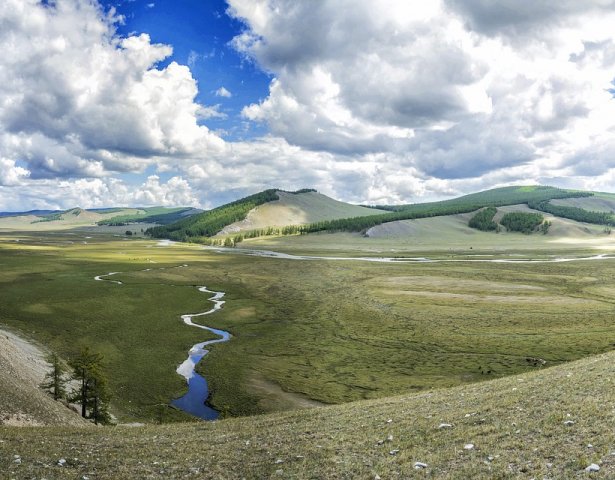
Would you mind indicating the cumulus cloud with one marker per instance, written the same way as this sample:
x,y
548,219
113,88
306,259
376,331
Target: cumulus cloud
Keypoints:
x,y
386,101
454,90
95,193
100,101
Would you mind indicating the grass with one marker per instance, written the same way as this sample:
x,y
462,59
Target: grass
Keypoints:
x,y
516,425
332,331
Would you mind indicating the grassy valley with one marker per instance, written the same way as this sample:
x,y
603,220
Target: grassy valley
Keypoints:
x,y
476,332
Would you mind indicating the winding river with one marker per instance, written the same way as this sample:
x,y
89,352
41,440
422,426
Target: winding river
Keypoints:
x,y
195,399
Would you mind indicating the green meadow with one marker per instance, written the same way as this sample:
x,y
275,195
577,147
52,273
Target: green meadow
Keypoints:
x,y
303,331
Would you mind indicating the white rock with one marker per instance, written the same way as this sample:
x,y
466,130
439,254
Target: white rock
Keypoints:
x,y
390,420
445,425
589,445
593,468
278,461
419,465
390,438
377,477
468,446
394,452
568,423
17,461
61,462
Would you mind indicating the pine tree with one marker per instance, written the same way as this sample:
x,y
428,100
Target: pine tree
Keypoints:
x,y
92,392
55,380
98,400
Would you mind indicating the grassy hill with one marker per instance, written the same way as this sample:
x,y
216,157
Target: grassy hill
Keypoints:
x,y
244,215
553,424
79,217
297,209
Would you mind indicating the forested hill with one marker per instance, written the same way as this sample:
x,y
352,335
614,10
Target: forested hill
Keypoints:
x,y
210,223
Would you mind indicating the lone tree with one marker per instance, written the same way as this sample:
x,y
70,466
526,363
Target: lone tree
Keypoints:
x,y
92,392
55,380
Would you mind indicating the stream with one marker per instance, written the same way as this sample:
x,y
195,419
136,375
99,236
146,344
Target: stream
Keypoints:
x,y
194,401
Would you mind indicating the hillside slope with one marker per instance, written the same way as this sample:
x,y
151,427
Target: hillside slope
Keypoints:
x,y
22,402
599,202
552,423
76,217
298,209
453,230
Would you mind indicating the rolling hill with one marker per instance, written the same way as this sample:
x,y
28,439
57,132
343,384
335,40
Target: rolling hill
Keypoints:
x,y
41,220
274,212
297,209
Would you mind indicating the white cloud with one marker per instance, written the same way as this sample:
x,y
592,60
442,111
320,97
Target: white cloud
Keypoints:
x,y
67,80
223,92
459,91
371,101
96,193
11,174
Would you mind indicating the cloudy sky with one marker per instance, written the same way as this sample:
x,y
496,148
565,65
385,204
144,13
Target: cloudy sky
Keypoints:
x,y
144,102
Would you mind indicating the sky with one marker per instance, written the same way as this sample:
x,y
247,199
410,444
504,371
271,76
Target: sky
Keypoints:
x,y
200,102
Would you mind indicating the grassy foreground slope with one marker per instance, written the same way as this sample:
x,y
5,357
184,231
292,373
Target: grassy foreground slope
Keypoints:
x,y
550,424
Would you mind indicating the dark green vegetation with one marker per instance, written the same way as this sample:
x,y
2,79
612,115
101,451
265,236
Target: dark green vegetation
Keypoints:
x,y
483,220
574,213
495,198
522,221
516,425
55,380
332,330
161,215
208,224
91,391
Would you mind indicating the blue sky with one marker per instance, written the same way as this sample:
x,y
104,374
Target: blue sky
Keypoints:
x,y
200,33
368,101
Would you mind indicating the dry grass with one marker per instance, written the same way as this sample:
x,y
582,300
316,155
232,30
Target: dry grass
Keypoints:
x,y
516,424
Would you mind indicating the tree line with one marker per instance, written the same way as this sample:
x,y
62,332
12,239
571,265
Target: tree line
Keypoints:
x,y
575,213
